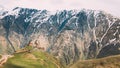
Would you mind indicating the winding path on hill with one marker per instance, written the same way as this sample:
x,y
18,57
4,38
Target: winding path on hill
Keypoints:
x,y
4,59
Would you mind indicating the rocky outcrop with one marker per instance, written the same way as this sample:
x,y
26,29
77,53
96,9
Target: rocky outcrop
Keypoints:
x,y
68,35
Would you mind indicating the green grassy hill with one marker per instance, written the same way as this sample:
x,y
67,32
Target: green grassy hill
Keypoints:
x,y
107,62
35,59
39,59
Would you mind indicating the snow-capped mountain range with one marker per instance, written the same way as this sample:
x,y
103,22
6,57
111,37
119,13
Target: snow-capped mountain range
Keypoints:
x,y
68,34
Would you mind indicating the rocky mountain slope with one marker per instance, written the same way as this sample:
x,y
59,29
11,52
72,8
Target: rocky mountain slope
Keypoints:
x,y
69,35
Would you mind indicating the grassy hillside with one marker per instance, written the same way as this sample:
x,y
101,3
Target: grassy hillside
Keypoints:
x,y
0,56
108,62
35,59
39,59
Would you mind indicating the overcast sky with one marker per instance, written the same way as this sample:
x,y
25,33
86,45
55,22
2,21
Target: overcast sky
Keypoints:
x,y
110,6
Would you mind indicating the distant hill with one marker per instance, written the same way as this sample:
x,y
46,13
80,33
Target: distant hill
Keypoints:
x,y
107,62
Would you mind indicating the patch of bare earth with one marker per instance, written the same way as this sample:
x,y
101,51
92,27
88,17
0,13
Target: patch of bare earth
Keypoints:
x,y
4,59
